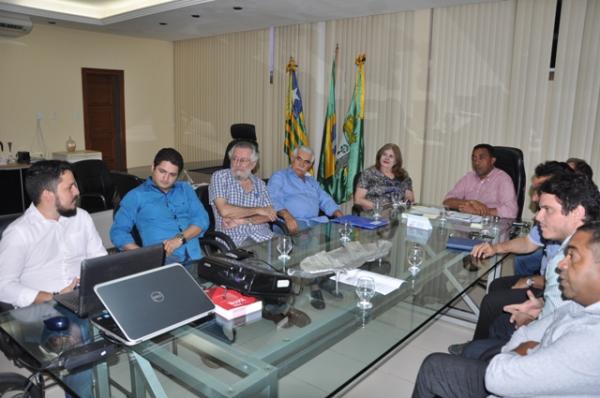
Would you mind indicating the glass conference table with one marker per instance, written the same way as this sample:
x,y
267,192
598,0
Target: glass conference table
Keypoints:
x,y
339,344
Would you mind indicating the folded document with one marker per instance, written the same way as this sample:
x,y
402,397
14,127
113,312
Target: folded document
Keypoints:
x,y
383,284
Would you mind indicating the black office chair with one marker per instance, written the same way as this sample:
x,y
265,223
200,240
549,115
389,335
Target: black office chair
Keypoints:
x,y
510,160
240,132
95,185
356,209
123,183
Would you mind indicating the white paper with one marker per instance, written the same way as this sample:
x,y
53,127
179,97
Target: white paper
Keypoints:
x,y
414,221
471,218
383,284
429,212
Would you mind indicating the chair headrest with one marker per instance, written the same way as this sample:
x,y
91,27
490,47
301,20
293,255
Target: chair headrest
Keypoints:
x,y
243,131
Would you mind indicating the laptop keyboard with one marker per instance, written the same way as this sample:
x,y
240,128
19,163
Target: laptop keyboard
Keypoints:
x,y
69,300
107,322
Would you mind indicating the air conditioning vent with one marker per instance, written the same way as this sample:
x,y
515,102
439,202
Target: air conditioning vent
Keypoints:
x,y
14,25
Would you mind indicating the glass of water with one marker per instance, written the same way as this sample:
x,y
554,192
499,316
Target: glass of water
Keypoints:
x,y
346,232
365,290
284,247
377,209
396,199
415,258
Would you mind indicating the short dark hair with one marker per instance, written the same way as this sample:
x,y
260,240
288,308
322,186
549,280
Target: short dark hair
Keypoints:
x,y
580,166
594,229
552,168
487,147
169,155
574,190
44,175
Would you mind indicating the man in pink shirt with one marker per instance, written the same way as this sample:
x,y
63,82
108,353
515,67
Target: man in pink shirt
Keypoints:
x,y
486,190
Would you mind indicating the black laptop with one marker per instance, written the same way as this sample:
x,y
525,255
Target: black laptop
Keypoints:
x,y
83,301
142,306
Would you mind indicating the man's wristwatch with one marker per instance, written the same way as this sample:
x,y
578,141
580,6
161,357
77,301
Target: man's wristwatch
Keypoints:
x,y
181,238
529,282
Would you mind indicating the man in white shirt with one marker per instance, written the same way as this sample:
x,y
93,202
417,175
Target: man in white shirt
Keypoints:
x,y
558,355
42,250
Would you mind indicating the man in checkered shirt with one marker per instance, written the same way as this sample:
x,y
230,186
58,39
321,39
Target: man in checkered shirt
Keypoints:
x,y
240,200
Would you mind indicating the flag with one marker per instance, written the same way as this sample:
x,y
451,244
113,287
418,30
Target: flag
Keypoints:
x,y
295,135
350,153
327,171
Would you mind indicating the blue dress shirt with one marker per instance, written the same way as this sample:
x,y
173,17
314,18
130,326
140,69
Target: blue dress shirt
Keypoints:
x,y
302,198
159,216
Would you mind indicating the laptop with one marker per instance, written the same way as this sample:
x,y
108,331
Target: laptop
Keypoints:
x,y
150,303
83,301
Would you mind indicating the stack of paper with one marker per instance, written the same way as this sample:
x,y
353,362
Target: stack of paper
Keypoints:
x,y
425,211
383,284
472,218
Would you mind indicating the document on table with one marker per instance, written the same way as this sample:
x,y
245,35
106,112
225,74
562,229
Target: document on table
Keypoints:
x,y
456,215
383,284
425,211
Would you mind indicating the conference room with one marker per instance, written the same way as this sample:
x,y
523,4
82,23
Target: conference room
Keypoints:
x,y
437,81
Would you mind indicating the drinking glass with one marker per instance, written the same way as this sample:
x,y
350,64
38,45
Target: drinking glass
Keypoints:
x,y
377,209
365,290
396,200
284,247
346,232
443,220
415,258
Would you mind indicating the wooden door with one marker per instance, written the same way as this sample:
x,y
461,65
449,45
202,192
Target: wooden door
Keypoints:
x,y
104,115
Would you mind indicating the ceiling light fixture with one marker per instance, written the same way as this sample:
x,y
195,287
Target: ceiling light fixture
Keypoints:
x,y
238,8
163,23
195,16
52,22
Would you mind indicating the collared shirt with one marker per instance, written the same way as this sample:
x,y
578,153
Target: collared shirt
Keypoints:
x,y
550,247
378,185
38,254
566,363
224,185
496,191
303,198
552,294
159,216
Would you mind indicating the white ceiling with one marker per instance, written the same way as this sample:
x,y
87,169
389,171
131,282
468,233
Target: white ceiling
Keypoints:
x,y
142,18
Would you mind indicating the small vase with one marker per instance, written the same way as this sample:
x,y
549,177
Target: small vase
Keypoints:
x,y
71,145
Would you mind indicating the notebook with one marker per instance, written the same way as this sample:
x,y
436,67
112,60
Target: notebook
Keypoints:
x,y
148,304
83,301
462,243
361,222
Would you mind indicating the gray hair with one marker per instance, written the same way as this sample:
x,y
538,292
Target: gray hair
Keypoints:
x,y
304,149
244,145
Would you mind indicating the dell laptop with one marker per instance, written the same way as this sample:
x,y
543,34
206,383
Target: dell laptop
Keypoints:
x,y
83,301
150,303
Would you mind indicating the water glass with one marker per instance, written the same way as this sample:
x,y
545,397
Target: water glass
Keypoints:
x,y
377,209
443,220
346,232
284,247
415,258
396,200
365,290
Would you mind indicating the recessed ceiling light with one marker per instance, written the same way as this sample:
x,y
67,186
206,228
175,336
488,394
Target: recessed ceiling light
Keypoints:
x,y
195,16
163,23
237,8
52,22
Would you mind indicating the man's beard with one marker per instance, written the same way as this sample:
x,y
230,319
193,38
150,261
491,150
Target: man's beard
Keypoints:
x,y
241,175
63,211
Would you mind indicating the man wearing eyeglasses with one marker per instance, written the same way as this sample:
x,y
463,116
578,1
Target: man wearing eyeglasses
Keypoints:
x,y
297,196
240,200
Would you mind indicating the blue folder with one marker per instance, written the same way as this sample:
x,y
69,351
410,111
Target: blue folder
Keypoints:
x,y
462,243
362,222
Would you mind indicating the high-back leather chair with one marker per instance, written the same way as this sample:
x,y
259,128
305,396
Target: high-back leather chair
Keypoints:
x,y
123,183
95,185
239,132
510,160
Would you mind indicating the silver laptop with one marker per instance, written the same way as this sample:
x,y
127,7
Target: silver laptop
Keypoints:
x,y
145,305
83,301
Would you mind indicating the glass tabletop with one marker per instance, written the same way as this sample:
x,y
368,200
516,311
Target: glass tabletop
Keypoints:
x,y
312,352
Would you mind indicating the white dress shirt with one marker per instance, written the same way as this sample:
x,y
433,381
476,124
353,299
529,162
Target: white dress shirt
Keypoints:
x,y
38,254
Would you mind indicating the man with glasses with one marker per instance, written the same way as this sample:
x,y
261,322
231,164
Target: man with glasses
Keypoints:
x,y
240,200
297,196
